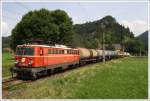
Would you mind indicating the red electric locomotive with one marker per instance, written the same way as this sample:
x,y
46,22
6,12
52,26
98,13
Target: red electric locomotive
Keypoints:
x,y
36,60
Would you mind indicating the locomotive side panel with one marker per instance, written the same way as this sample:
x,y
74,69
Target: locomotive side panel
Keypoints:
x,y
60,56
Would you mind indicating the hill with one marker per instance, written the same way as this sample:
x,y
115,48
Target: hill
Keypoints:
x,y
89,34
144,38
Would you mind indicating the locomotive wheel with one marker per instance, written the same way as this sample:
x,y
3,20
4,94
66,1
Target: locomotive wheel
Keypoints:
x,y
49,72
18,75
34,76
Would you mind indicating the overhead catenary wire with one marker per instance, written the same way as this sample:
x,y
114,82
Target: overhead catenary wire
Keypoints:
x,y
12,12
15,12
103,35
86,14
23,6
9,18
9,12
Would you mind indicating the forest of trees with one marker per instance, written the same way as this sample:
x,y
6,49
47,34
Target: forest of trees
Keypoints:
x,y
57,27
89,35
92,32
143,38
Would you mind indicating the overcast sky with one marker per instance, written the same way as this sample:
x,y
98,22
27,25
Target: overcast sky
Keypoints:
x,y
131,14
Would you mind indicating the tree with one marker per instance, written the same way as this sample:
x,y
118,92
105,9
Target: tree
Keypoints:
x,y
134,46
55,26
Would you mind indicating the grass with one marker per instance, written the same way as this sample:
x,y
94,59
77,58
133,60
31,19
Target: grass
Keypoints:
x,y
7,62
125,78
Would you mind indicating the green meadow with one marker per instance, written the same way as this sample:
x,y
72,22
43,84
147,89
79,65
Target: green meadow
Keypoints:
x,y
125,78
7,62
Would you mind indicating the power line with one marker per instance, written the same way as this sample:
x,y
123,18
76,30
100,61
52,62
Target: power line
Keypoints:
x,y
22,5
22,9
103,35
12,12
84,11
10,18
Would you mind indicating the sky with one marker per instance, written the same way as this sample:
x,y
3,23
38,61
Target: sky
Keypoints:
x,y
130,14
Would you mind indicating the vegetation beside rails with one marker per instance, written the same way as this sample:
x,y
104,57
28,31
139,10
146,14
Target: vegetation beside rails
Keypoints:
x,y
125,78
7,62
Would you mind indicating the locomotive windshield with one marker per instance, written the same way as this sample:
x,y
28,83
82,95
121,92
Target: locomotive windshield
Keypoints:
x,y
24,51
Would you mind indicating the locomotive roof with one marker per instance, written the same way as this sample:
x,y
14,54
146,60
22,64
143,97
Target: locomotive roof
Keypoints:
x,y
33,45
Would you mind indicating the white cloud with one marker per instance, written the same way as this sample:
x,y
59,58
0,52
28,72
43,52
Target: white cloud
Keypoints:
x,y
5,29
78,20
136,26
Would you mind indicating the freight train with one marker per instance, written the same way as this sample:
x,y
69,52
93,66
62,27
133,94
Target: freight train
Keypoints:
x,y
33,61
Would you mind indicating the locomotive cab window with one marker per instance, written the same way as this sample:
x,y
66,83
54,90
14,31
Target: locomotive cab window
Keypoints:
x,y
25,51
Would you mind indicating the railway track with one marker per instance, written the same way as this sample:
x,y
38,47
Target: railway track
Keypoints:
x,y
9,82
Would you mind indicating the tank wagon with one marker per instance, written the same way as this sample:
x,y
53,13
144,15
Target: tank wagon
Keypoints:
x,y
33,61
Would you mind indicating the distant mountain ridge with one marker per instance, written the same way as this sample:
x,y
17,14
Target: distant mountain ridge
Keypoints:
x,y
144,38
87,34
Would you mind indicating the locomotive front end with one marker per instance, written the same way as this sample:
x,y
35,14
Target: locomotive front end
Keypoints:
x,y
24,61
24,56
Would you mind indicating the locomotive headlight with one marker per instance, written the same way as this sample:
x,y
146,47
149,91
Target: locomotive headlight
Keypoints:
x,y
23,59
16,62
30,62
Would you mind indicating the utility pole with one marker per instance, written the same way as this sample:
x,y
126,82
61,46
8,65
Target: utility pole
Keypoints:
x,y
140,51
103,41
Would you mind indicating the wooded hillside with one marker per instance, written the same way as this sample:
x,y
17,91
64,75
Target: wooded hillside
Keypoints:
x,y
89,34
144,39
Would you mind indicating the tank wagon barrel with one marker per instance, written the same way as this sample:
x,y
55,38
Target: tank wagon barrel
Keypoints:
x,y
84,53
94,53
